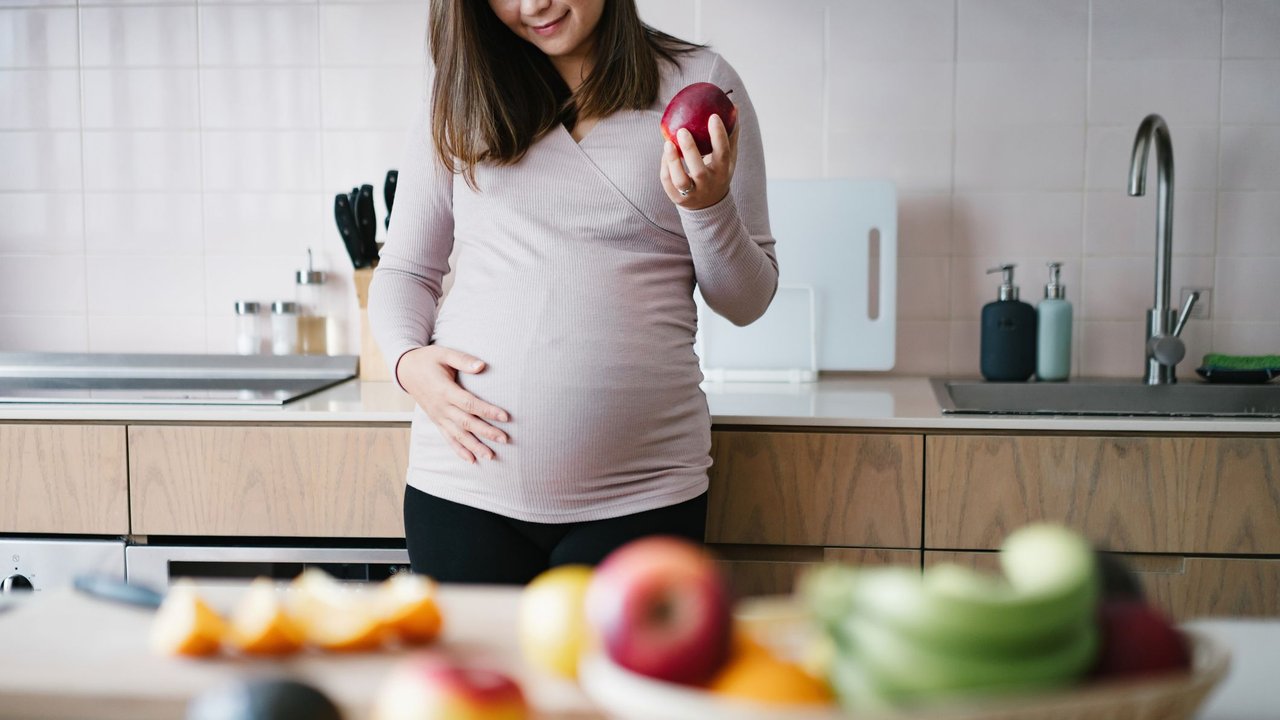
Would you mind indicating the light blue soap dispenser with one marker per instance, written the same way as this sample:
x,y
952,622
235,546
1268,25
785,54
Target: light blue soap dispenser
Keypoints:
x,y
1053,324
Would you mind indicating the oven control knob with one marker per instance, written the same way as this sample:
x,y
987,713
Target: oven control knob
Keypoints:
x,y
16,583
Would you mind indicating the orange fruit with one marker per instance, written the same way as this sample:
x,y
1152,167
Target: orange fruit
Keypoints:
x,y
260,626
185,625
755,674
333,616
407,604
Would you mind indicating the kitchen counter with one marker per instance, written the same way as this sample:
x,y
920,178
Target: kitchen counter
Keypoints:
x,y
69,656
840,401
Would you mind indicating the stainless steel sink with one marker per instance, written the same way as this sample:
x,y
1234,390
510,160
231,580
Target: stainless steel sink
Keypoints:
x,y
1108,397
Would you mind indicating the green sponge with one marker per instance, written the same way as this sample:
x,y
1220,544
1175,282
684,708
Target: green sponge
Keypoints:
x,y
1218,361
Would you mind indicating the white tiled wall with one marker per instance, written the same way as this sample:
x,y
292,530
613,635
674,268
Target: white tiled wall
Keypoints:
x,y
160,160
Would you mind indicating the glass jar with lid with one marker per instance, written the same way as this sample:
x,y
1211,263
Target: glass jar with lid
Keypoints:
x,y
312,310
284,327
249,333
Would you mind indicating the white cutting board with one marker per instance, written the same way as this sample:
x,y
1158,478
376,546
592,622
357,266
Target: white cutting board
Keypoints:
x,y
822,316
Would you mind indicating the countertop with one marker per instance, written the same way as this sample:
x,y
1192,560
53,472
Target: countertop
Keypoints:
x,y
69,656
853,401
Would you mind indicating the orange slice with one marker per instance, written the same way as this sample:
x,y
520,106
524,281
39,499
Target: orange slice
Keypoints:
x,y
332,616
186,625
761,677
407,605
260,626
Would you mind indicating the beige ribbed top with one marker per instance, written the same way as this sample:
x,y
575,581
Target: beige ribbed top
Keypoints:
x,y
574,283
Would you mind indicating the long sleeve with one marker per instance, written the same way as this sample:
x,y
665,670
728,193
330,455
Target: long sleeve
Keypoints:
x,y
407,283
732,248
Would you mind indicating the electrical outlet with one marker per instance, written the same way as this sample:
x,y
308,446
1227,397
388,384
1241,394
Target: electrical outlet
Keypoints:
x,y
1204,306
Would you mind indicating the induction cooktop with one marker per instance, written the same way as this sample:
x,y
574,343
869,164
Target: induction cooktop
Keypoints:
x,y
162,379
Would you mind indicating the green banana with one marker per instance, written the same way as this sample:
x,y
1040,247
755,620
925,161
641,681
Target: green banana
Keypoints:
x,y
902,666
902,636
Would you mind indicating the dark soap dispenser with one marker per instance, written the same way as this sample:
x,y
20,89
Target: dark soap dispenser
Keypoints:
x,y
1008,334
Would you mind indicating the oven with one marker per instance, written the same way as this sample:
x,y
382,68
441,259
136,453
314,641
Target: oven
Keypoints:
x,y
157,565
36,563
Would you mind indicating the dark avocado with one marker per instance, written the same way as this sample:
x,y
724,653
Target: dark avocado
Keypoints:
x,y
1118,581
263,699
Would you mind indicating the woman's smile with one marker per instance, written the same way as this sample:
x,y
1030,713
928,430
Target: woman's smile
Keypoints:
x,y
549,28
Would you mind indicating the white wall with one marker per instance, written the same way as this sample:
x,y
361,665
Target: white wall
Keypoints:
x,y
160,160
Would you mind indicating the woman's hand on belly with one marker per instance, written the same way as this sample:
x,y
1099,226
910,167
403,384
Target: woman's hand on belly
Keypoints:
x,y
430,374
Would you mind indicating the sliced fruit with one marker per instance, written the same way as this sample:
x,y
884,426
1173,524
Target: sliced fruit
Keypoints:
x,y
260,625
407,604
185,625
334,617
759,676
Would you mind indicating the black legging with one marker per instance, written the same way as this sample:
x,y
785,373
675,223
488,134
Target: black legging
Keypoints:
x,y
457,543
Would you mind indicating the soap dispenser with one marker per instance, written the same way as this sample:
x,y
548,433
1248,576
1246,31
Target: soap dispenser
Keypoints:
x,y
1008,334
1053,329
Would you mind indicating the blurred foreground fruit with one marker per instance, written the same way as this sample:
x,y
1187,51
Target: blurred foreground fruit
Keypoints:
x,y
662,609
260,626
1118,580
903,637
692,108
185,625
334,617
1138,640
553,625
407,605
429,688
753,673
275,699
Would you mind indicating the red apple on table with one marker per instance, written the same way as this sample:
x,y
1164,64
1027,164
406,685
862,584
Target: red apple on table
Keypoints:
x,y
1137,640
430,688
662,609
692,108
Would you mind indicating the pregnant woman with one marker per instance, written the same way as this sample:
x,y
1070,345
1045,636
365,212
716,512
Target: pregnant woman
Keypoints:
x,y
559,413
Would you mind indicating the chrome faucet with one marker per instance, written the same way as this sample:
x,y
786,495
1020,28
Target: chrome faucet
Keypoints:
x,y
1164,347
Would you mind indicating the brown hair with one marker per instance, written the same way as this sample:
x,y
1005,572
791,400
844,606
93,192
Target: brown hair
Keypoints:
x,y
495,94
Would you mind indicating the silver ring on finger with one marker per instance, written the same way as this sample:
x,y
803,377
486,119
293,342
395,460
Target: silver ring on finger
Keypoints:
x,y
684,192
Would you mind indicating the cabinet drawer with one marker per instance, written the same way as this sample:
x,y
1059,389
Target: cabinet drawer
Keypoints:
x,y
63,479
1165,495
1184,587
779,488
754,573
268,481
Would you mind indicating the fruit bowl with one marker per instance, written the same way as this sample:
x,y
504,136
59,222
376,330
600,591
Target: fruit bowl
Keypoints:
x,y
625,695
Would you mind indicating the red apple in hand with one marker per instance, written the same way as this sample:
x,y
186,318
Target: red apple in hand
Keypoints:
x,y
429,688
661,609
692,108
1137,640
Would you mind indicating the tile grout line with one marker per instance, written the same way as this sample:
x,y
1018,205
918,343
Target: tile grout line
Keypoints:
x,y
84,209
1217,195
204,240
1080,344
951,190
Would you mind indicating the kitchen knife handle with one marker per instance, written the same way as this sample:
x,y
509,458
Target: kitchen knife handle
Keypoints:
x,y
116,590
345,217
389,193
367,219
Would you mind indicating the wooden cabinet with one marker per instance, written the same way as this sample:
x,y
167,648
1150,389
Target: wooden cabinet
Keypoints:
x,y
774,570
268,481
1184,587
1182,495
821,489
63,479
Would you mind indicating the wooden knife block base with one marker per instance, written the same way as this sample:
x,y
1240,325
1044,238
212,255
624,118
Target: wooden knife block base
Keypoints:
x,y
372,367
